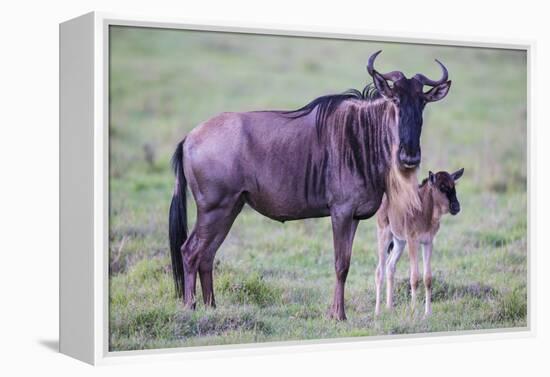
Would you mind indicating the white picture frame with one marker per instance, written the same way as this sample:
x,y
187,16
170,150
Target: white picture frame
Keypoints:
x,y
84,191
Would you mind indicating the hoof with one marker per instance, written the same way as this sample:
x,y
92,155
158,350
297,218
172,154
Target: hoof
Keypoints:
x,y
337,315
190,306
210,304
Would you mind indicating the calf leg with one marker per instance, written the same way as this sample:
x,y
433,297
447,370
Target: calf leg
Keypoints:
x,y
426,258
398,247
384,239
343,228
413,260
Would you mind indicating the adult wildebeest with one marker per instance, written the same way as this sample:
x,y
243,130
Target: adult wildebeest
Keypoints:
x,y
336,157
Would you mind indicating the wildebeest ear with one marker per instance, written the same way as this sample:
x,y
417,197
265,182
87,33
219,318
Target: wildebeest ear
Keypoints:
x,y
382,85
431,177
438,92
457,174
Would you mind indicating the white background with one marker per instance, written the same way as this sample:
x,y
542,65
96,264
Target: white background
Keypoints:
x,y
29,183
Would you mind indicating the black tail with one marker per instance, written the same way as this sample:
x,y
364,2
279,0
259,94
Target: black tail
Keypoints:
x,y
177,227
390,247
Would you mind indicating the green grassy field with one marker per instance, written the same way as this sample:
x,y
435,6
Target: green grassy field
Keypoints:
x,y
274,282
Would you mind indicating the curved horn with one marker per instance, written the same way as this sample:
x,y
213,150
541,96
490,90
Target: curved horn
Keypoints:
x,y
392,76
426,81
370,65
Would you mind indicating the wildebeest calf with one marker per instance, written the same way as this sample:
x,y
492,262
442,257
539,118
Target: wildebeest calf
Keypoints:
x,y
437,195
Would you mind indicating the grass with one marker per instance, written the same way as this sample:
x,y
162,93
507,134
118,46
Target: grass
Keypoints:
x,y
273,281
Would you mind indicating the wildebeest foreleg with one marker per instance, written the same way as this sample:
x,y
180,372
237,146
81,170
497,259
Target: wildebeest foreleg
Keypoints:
x,y
343,229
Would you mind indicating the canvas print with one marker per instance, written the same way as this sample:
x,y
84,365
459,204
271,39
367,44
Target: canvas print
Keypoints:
x,y
268,188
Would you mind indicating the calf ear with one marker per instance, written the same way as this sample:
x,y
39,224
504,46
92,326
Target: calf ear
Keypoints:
x,y
457,174
438,92
382,86
431,177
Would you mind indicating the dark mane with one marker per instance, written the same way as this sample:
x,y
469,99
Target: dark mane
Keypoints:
x,y
424,181
329,103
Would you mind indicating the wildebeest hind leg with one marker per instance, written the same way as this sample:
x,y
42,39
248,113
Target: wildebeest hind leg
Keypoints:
x,y
212,228
384,239
189,269
391,266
